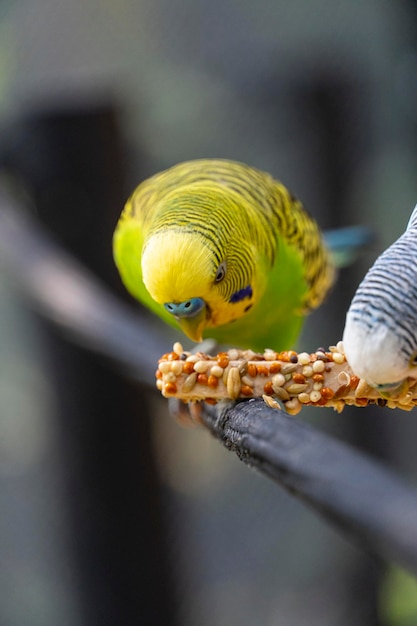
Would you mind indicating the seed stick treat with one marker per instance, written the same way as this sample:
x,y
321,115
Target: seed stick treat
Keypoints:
x,y
284,379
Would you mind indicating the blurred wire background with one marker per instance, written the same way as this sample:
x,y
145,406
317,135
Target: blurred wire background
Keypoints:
x,y
111,513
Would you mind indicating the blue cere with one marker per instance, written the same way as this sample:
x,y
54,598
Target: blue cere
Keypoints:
x,y
188,308
246,292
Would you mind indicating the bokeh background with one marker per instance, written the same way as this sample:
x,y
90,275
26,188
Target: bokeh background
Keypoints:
x,y
111,513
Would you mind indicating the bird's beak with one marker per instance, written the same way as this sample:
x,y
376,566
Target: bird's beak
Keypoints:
x,y
193,325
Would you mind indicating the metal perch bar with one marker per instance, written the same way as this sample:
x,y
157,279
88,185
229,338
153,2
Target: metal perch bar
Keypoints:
x,y
366,501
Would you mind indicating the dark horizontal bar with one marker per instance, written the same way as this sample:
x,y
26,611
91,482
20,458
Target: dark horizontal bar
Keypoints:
x,y
72,298
361,497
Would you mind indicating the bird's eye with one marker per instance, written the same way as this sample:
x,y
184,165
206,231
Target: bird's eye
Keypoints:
x,y
221,272
413,360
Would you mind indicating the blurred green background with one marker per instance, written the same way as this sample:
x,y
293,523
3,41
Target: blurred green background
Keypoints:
x,y
110,512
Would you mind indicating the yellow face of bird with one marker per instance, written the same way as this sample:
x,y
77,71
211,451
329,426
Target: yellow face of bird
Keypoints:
x,y
199,287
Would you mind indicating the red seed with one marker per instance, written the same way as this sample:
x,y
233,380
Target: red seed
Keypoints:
x,y
318,378
245,390
262,370
268,389
170,388
212,381
222,360
354,382
188,367
202,379
327,393
252,370
158,373
275,367
173,356
299,378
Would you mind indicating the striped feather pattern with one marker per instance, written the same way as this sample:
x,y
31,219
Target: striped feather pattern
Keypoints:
x,y
388,294
220,197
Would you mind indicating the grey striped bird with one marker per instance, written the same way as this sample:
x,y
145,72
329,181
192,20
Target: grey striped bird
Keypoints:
x,y
380,335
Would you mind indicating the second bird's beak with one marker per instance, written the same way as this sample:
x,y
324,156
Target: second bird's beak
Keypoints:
x,y
194,325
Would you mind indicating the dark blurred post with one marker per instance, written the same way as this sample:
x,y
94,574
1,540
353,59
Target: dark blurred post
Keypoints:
x,y
72,162
332,106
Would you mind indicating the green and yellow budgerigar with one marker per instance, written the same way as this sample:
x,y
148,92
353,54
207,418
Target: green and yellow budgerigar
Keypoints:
x,y
225,251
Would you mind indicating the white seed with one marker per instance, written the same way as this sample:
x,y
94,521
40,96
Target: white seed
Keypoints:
x,y
304,398
315,396
277,380
338,357
176,367
340,347
216,371
246,380
273,404
177,348
226,374
307,371
243,367
297,388
317,386
293,406
165,367
201,366
169,377
189,382
159,384
193,358
343,378
233,383
304,358
270,355
318,366
233,354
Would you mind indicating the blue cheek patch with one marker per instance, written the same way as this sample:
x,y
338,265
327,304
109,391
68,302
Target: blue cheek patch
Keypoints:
x,y
246,292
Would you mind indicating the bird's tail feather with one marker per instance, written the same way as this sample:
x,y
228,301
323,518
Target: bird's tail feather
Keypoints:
x,y
347,243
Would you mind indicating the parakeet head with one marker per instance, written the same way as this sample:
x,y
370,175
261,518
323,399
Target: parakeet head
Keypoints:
x,y
203,278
